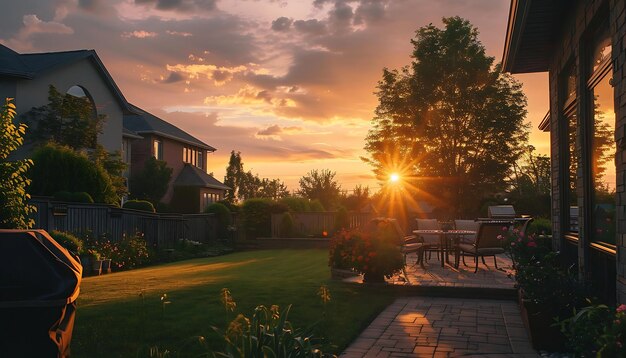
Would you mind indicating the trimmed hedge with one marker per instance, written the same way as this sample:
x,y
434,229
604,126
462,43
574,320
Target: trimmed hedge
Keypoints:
x,y
224,219
142,205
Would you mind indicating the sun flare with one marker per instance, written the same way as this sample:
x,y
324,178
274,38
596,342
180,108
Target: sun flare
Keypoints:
x,y
394,177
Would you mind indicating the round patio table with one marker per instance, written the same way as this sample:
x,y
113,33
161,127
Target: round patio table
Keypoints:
x,y
444,240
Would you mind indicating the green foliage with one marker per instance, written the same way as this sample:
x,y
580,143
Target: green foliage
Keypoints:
x,y
342,219
296,204
257,217
530,184
234,208
142,205
452,115
151,183
287,225
540,226
358,199
67,120
373,250
586,327
14,207
316,206
114,165
267,334
246,185
320,185
224,219
128,253
58,168
68,241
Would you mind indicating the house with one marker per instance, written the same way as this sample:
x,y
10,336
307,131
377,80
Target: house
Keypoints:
x,y
580,44
191,189
128,128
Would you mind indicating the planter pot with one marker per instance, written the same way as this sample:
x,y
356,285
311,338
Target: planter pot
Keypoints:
x,y
97,267
538,320
85,261
373,277
340,274
106,266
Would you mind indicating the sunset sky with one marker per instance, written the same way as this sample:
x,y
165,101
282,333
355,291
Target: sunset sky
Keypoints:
x,y
290,84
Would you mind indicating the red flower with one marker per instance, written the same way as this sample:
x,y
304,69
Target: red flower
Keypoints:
x,y
531,244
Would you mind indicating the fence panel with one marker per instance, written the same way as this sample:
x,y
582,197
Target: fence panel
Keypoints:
x,y
316,223
159,230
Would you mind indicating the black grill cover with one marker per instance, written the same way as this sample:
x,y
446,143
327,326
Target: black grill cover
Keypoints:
x,y
39,284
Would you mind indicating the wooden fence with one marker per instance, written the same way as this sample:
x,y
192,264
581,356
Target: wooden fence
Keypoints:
x,y
160,229
316,223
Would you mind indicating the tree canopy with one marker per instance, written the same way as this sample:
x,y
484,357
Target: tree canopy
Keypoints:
x,y
451,122
320,185
152,181
246,185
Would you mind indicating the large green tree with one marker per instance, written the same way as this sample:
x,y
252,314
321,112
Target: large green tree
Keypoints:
x,y
452,123
246,185
320,185
14,207
151,182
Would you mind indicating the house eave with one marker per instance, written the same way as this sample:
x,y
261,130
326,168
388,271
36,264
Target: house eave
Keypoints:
x,y
178,139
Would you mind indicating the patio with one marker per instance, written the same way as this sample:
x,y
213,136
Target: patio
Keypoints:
x,y
433,275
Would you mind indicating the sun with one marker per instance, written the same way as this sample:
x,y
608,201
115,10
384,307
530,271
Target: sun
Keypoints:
x,y
394,177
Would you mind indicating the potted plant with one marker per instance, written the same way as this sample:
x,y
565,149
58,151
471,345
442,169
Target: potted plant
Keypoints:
x,y
373,251
96,267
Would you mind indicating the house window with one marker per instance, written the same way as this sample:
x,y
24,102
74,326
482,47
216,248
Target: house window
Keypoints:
x,y
192,156
571,150
200,160
603,147
157,149
209,198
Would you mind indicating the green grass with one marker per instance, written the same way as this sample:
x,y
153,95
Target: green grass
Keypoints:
x,y
114,320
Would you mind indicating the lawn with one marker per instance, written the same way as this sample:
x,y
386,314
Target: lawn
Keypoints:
x,y
121,314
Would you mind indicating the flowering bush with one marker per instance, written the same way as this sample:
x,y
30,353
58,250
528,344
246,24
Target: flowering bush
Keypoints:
x,y
597,330
540,275
131,251
373,251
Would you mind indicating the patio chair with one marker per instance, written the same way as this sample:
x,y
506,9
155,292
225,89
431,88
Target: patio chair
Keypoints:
x,y
471,225
487,243
431,242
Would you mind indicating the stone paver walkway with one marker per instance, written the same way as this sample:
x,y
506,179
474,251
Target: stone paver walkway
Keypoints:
x,y
444,327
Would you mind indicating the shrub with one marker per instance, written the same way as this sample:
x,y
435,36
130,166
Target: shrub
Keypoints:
x,y
130,252
316,206
373,251
63,195
68,241
224,219
73,197
540,226
59,168
296,204
234,208
278,208
287,226
152,181
257,217
142,205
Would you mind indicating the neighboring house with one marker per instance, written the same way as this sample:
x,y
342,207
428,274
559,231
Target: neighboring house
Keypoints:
x,y
191,189
27,77
581,46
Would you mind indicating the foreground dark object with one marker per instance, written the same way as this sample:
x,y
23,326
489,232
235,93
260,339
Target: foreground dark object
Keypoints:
x,y
39,285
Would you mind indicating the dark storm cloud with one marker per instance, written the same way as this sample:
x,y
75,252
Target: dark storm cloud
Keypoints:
x,y
173,78
281,24
311,27
180,5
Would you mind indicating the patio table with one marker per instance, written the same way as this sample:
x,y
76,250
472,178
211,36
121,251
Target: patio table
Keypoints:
x,y
444,240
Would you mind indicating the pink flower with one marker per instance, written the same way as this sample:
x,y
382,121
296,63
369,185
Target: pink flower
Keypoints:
x,y
531,244
505,228
500,237
512,244
621,308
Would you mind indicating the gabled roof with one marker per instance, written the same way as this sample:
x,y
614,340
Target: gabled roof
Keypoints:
x,y
31,65
191,175
141,122
530,34
12,65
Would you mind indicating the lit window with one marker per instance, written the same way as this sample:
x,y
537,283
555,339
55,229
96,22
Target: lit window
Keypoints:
x,y
157,149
